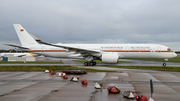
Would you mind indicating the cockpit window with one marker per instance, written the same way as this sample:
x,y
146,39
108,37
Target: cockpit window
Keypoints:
x,y
169,49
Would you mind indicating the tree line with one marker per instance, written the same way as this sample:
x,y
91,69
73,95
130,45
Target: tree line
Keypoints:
x,y
12,51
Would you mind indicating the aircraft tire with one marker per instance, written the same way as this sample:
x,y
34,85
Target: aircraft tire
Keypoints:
x,y
86,64
164,64
94,63
91,63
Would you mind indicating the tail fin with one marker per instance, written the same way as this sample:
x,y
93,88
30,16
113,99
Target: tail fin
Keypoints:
x,y
24,37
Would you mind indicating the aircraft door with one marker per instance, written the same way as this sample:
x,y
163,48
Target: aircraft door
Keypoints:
x,y
159,49
126,49
152,53
43,49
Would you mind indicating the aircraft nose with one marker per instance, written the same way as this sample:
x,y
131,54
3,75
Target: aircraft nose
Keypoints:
x,y
174,54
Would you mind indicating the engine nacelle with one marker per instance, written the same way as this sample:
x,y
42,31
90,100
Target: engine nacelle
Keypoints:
x,y
110,58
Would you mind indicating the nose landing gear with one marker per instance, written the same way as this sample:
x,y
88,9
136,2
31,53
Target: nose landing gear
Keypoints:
x,y
164,64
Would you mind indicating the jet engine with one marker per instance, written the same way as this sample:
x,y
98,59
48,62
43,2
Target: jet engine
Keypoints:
x,y
110,58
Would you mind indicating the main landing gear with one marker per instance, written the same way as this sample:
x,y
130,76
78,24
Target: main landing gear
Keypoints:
x,y
91,63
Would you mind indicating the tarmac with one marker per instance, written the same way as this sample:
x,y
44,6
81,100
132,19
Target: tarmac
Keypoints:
x,y
68,62
40,86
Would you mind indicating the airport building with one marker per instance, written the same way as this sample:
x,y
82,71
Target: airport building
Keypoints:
x,y
16,57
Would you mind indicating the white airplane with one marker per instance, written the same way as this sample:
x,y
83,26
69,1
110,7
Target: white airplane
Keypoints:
x,y
107,53
17,54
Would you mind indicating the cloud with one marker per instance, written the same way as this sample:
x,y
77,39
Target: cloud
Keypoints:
x,y
102,21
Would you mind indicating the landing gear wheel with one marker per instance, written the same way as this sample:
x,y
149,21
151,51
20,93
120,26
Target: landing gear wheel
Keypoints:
x,y
86,64
91,63
94,63
164,64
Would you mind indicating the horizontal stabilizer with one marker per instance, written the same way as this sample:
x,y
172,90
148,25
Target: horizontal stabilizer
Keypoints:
x,y
17,46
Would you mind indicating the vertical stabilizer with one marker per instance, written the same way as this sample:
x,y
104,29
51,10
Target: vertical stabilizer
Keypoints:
x,y
24,37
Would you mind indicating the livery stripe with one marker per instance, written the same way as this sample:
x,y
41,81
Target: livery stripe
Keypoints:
x,y
32,54
46,51
126,51
130,51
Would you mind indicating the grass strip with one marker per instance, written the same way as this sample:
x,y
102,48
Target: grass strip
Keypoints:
x,y
174,60
171,69
43,62
97,61
43,68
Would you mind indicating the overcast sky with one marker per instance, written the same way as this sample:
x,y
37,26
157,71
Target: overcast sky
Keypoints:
x,y
93,21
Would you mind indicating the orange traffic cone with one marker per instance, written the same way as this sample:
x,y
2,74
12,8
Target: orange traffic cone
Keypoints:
x,y
65,77
84,82
141,98
52,73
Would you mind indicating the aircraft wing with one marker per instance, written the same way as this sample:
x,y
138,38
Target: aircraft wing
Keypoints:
x,y
70,48
16,46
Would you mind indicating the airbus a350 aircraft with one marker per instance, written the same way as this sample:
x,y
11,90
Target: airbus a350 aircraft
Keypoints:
x,y
107,53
